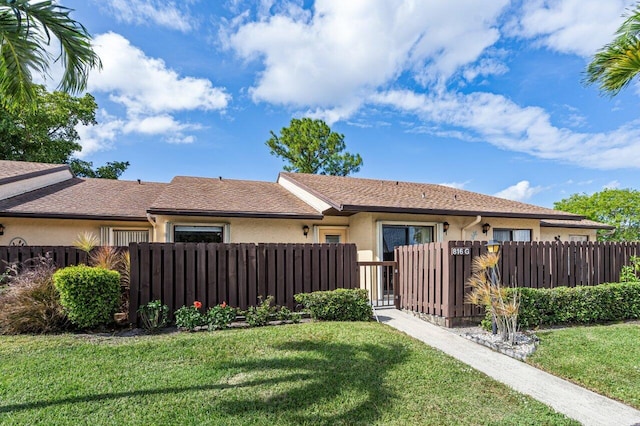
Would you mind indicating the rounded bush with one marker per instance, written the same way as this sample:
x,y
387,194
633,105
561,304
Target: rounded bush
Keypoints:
x,y
337,305
89,295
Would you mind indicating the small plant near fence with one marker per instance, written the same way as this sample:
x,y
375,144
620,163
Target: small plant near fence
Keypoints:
x,y
337,305
487,291
220,316
190,317
154,315
216,318
631,273
258,316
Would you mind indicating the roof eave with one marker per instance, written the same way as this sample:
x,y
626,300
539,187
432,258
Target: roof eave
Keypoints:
x,y
73,216
577,226
381,209
219,213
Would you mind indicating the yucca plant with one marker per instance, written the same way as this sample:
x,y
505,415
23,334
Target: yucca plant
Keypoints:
x,y
86,241
487,291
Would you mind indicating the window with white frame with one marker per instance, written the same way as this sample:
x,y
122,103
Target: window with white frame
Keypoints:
x,y
110,236
512,234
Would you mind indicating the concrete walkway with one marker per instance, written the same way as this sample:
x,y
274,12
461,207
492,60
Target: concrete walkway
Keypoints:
x,y
578,403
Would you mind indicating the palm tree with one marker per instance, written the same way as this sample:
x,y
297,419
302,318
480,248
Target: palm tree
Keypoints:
x,y
26,31
615,65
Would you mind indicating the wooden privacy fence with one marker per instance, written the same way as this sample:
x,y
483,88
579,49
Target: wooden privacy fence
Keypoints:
x,y
62,255
432,277
180,273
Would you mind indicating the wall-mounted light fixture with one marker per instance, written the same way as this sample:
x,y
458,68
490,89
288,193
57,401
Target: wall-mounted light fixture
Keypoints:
x,y
305,230
445,227
485,228
1,229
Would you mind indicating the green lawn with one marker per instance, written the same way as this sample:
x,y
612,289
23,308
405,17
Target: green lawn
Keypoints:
x,y
316,373
605,359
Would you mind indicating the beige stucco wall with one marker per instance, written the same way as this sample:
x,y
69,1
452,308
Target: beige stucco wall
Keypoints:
x,y
364,228
39,232
549,233
252,230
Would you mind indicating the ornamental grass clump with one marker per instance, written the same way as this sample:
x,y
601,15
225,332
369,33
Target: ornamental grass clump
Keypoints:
x,y
29,303
487,291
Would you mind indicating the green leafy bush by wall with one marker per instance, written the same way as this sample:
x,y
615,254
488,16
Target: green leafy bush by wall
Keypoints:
x,y
581,305
89,295
337,305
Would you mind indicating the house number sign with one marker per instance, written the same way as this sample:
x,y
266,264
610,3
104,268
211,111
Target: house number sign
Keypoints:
x,y
460,251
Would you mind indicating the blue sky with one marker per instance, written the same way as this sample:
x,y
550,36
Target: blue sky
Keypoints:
x,y
485,95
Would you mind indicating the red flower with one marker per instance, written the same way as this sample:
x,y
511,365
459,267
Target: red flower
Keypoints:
x,y
223,304
197,304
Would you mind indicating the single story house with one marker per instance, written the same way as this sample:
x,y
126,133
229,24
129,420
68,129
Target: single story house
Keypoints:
x,y
45,204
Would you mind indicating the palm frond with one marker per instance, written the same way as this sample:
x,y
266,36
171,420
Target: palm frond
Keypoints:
x,y
615,65
26,31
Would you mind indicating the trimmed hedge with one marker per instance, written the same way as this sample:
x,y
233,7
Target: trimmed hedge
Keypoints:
x,y
337,305
89,295
582,304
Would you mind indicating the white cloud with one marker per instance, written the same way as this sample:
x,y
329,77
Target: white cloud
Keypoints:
x,y
332,60
144,12
158,125
100,136
614,184
150,92
456,185
499,121
521,191
147,85
570,26
484,68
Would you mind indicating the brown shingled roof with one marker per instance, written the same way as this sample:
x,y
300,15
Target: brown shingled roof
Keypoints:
x,y
584,223
351,195
85,198
14,170
229,197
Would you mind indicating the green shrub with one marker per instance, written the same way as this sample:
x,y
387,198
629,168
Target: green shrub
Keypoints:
x,y
190,317
220,316
89,295
582,304
631,273
285,314
154,315
337,305
29,303
258,316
